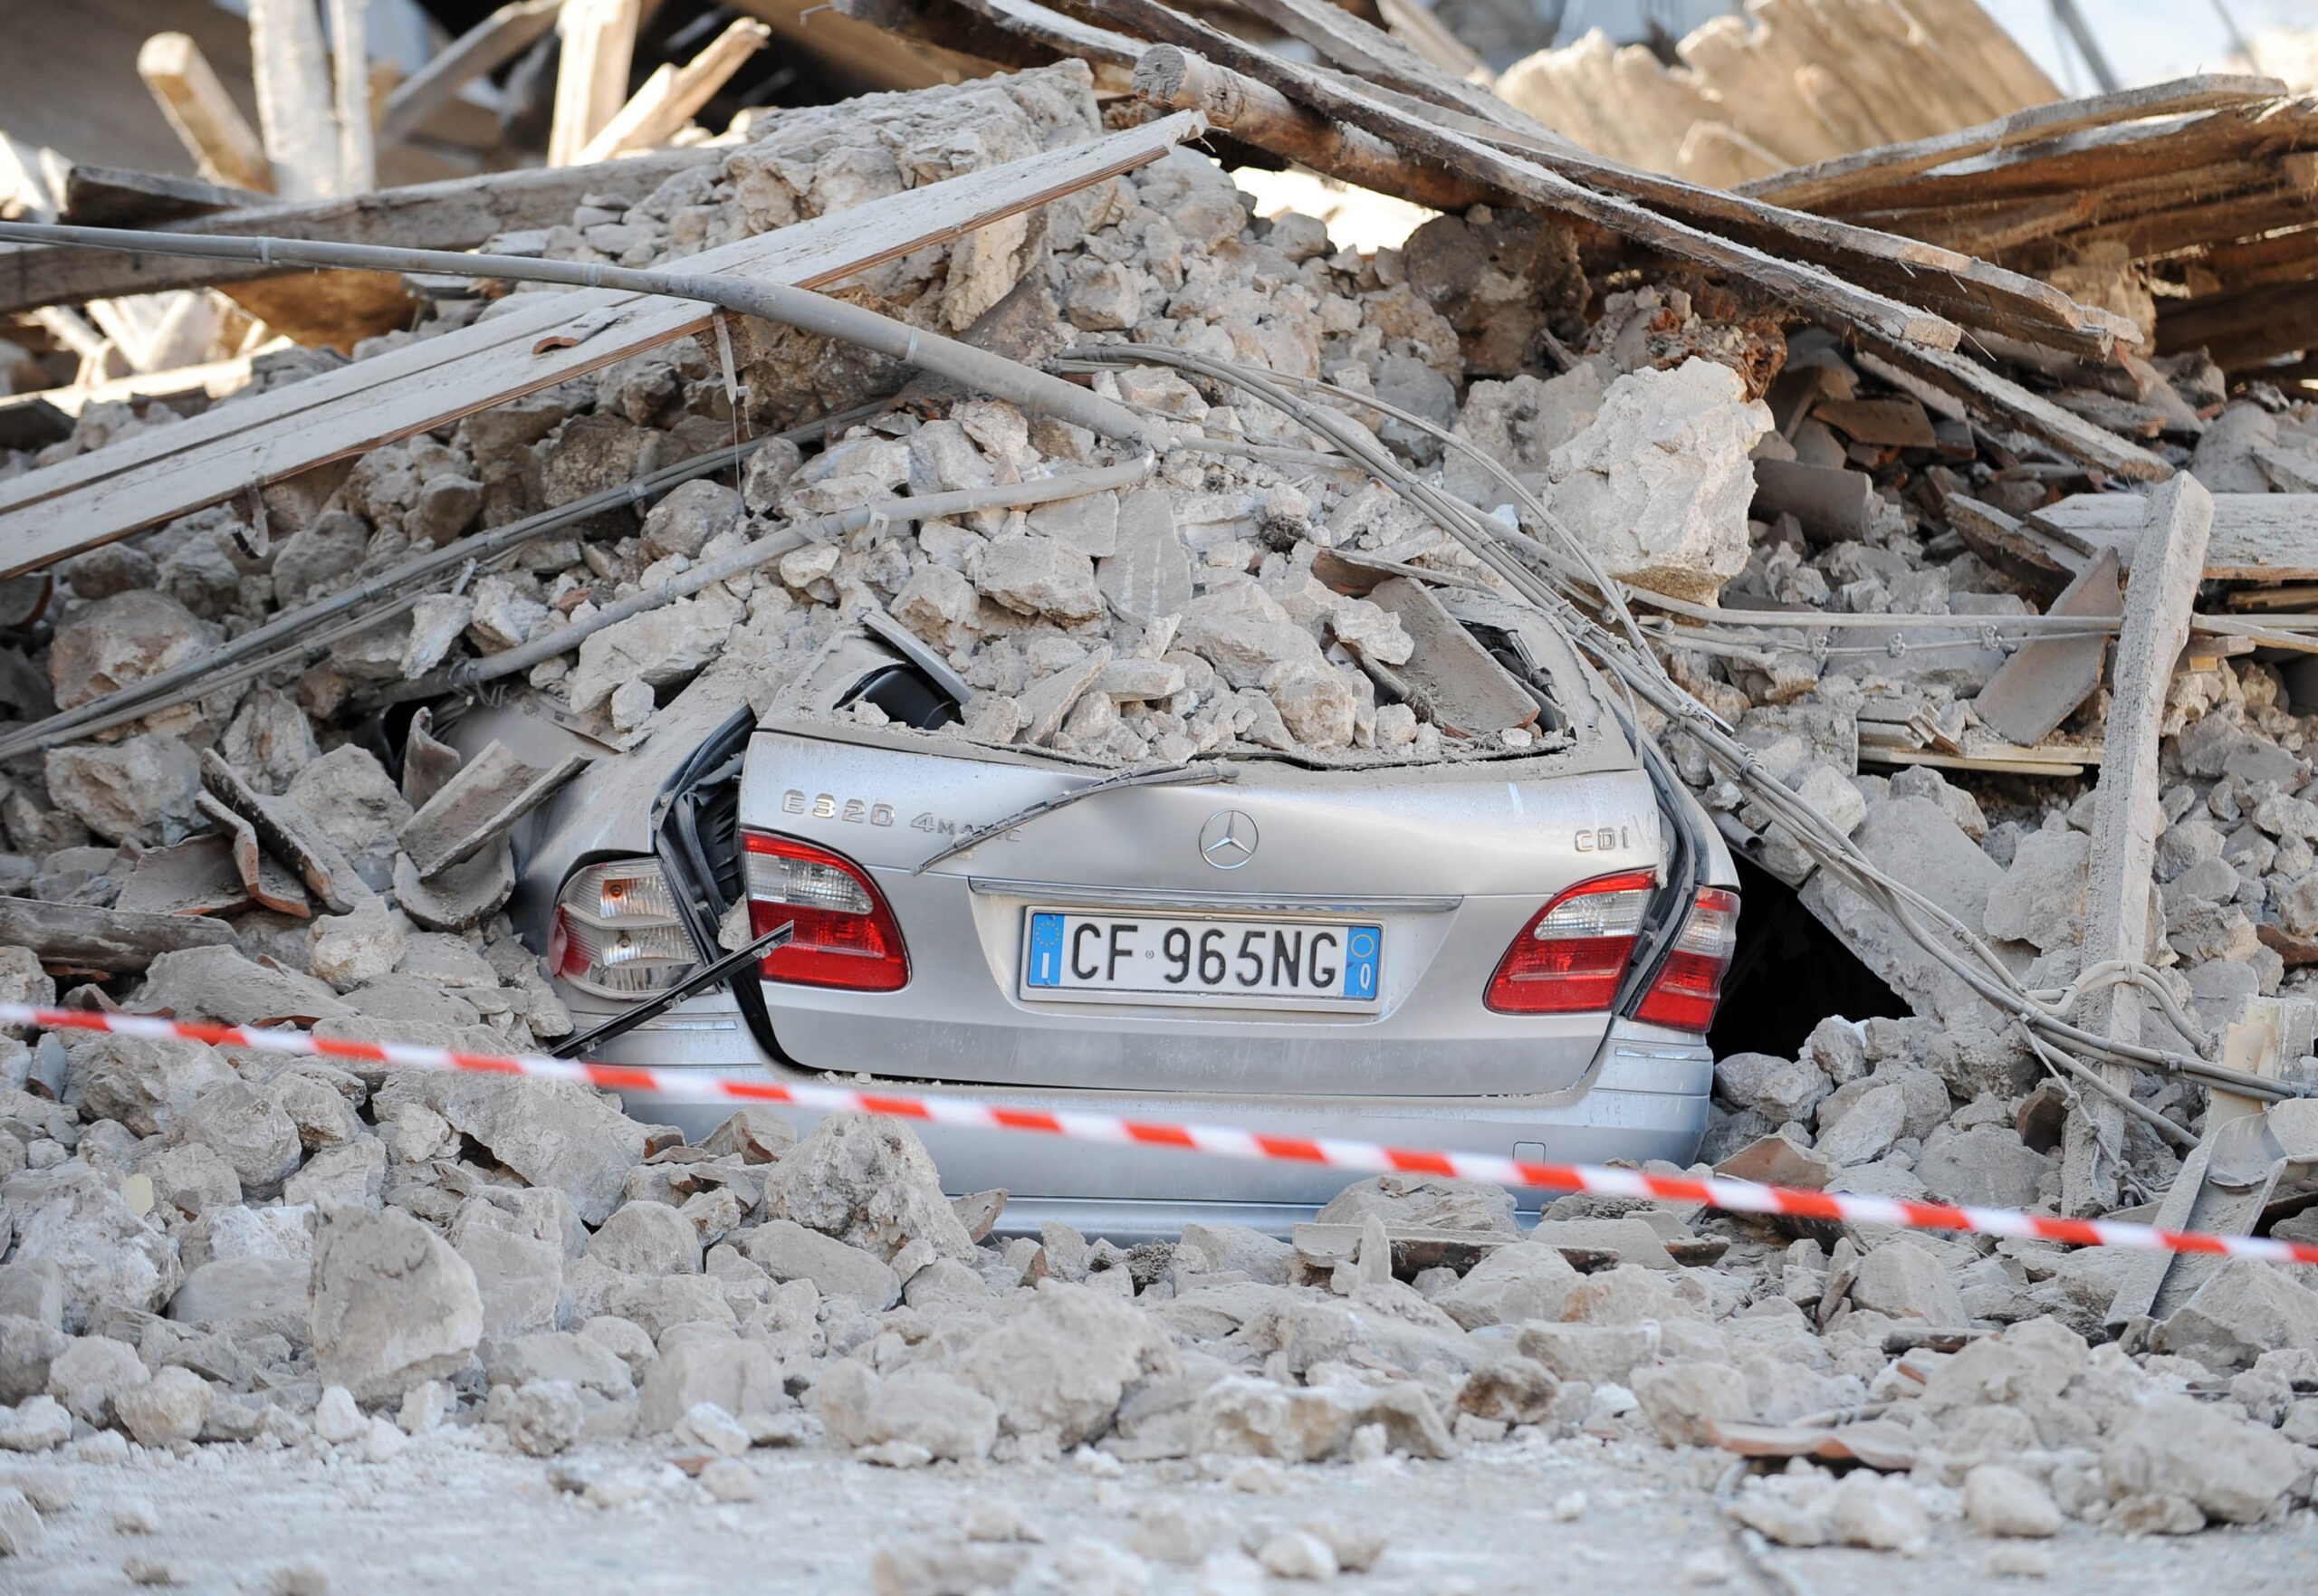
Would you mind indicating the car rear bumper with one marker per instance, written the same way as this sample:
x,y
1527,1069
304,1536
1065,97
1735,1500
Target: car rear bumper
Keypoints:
x,y
1644,1098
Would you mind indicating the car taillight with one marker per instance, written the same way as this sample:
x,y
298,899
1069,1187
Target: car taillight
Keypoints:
x,y
845,936
616,932
1570,958
1687,989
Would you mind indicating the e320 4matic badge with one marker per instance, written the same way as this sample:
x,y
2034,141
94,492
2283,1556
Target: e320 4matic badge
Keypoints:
x,y
1228,840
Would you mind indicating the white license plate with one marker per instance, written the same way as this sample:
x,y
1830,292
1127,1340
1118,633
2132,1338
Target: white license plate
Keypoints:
x,y
1213,962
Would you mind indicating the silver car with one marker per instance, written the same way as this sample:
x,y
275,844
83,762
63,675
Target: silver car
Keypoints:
x,y
1517,955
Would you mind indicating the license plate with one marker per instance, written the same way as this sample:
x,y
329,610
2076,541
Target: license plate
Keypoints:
x,y
1208,961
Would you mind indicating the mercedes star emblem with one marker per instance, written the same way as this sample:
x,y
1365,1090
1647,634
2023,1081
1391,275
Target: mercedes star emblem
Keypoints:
x,y
1228,840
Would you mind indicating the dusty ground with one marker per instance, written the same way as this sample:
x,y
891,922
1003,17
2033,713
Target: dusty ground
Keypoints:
x,y
443,1517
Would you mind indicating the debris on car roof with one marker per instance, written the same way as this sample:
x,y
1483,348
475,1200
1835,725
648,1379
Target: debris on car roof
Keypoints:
x,y
1934,490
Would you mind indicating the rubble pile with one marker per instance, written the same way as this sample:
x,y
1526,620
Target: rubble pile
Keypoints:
x,y
1159,623
352,1264
217,1246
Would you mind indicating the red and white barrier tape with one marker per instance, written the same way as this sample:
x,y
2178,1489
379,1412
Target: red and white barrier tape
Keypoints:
x,y
1743,1197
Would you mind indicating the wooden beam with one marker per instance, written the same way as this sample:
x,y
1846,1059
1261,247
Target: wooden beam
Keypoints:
x,y
1987,393
1182,80
864,51
201,113
2126,818
116,196
358,163
456,214
294,97
158,475
672,94
1813,188
591,81
2245,329
2098,157
1099,47
482,49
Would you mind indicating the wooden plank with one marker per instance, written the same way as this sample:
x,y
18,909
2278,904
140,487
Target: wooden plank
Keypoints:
x,y
672,94
2126,818
456,214
294,97
202,114
2063,761
2288,202
1810,187
953,208
1176,79
357,163
482,49
591,79
168,472
1066,35
2255,537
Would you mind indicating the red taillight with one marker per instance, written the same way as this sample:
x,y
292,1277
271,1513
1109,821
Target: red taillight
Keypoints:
x,y
1687,989
845,936
1571,957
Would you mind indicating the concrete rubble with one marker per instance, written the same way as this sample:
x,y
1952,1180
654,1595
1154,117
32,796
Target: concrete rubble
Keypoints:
x,y
214,1247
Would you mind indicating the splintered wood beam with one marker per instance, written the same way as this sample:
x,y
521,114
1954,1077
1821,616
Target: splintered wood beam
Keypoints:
x,y
672,94
1809,188
1357,46
591,81
482,49
201,113
1255,114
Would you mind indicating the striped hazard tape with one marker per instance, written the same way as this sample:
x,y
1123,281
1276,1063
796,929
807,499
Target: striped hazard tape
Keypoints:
x,y
1744,1197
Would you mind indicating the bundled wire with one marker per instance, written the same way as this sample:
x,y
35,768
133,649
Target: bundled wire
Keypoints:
x,y
1564,579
